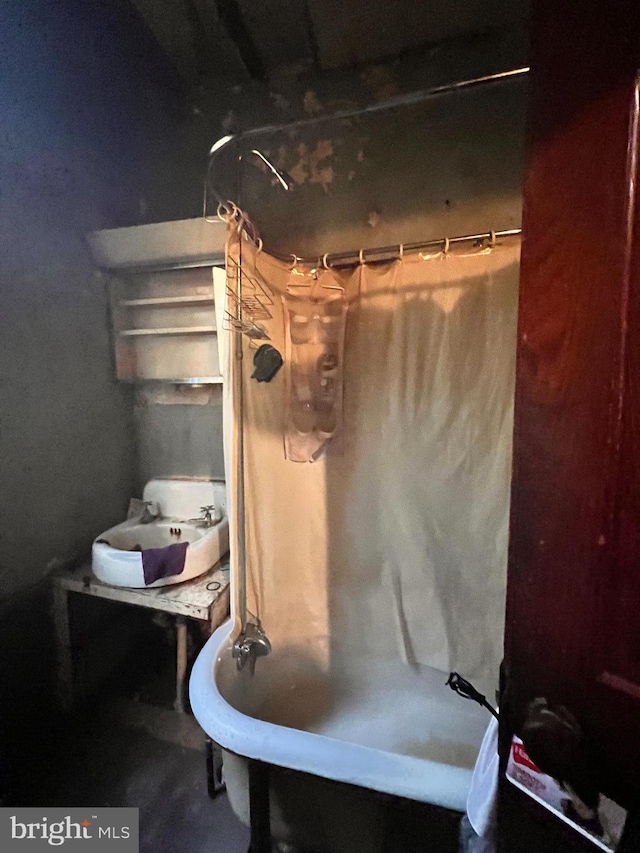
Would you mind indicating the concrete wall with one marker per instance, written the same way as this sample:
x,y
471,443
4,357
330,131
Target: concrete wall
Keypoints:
x,y
88,105
76,153
180,435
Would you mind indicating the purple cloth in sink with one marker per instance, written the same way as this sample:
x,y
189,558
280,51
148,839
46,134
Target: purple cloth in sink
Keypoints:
x,y
163,562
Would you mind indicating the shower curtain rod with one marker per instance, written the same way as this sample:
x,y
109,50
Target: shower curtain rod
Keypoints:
x,y
382,254
352,257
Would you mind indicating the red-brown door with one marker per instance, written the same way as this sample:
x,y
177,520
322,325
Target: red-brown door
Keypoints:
x,y
573,611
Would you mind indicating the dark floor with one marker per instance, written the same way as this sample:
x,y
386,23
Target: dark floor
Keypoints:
x,y
96,764
126,746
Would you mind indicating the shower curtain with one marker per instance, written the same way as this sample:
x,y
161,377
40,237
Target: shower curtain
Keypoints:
x,y
393,544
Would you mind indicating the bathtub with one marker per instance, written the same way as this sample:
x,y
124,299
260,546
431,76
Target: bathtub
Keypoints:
x,y
381,726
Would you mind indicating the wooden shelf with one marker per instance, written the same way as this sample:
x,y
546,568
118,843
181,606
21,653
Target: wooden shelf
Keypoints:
x,y
178,330
168,301
165,326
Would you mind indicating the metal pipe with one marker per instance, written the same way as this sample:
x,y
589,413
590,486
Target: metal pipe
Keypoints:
x,y
240,508
381,254
275,172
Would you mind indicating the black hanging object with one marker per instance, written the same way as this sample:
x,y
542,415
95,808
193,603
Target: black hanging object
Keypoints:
x,y
466,689
554,740
267,362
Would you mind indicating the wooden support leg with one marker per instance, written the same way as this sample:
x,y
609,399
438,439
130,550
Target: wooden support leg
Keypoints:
x,y
259,815
64,675
181,662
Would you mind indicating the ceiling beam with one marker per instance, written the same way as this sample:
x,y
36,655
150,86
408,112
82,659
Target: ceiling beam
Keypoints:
x,y
194,38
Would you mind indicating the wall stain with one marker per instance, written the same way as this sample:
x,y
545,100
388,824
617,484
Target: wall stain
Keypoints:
x,y
309,164
311,104
381,83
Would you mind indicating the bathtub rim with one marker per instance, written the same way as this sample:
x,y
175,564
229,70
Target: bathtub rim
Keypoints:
x,y
404,776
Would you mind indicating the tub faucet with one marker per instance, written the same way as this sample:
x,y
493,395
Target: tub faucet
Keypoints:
x,y
251,644
150,513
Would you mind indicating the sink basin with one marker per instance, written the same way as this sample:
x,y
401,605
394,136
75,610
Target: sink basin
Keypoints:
x,y
117,554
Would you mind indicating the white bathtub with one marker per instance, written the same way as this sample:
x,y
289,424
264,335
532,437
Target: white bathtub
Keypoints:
x,y
382,726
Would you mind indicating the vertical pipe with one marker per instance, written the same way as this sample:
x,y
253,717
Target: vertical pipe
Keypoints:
x,y
240,496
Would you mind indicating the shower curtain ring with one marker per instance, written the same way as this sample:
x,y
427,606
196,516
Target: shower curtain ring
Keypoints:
x,y
325,262
492,242
259,246
445,248
361,256
401,251
225,210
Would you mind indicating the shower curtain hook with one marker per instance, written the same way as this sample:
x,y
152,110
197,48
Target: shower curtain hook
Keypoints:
x,y
294,265
325,262
401,251
361,256
241,218
492,242
226,211
259,246
445,249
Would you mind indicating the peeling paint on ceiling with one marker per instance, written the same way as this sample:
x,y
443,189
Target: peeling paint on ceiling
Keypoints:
x,y
278,38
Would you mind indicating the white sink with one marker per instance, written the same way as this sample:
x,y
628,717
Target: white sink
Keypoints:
x,y
117,554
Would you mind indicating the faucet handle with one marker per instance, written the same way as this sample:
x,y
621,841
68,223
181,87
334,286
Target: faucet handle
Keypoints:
x,y
151,509
208,512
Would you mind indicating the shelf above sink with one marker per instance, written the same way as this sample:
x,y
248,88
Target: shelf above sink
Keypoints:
x,y
168,301
163,313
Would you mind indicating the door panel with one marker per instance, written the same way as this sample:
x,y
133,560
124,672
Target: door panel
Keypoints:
x,y
573,609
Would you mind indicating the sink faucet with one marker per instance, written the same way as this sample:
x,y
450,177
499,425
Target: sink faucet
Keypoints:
x,y
210,517
149,514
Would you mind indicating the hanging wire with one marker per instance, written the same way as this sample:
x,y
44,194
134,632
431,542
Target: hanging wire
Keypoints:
x,y
466,689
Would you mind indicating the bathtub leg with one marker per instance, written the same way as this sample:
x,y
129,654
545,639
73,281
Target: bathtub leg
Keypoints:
x,y
215,783
259,816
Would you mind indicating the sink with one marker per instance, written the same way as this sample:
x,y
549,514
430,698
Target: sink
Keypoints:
x,y
117,554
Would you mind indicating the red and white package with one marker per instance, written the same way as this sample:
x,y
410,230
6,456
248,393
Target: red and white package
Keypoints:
x,y
604,829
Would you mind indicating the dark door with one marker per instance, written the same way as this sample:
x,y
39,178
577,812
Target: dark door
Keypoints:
x,y
573,611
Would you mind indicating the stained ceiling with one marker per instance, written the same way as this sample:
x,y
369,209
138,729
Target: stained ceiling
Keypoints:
x,y
253,39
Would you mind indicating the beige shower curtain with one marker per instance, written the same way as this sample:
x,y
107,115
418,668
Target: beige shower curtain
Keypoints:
x,y
393,544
